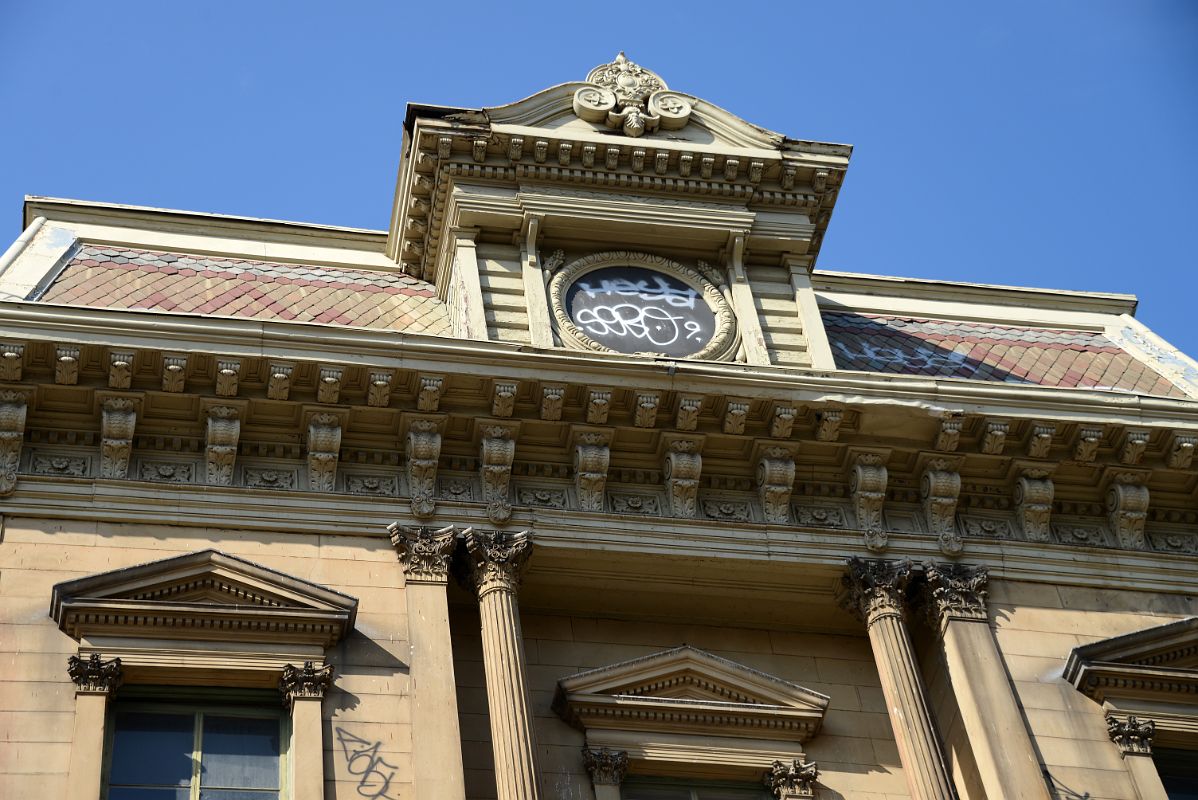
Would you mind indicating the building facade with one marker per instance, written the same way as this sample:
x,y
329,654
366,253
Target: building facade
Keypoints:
x,y
581,482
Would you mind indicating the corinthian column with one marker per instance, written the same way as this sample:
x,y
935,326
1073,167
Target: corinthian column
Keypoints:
x,y
1006,760
95,680
873,591
303,690
496,561
437,747
1134,738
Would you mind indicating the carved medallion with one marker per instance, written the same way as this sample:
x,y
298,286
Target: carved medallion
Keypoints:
x,y
631,99
628,302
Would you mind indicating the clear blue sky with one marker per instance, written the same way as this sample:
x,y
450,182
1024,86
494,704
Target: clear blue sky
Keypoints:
x,y
1043,143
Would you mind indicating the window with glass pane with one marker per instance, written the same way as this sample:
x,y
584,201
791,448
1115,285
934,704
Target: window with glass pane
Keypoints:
x,y
1179,772
194,755
657,789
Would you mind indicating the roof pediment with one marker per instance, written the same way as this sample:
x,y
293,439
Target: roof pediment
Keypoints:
x,y
207,594
688,690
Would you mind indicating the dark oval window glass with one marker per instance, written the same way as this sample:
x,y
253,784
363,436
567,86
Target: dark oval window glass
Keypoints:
x,y
638,310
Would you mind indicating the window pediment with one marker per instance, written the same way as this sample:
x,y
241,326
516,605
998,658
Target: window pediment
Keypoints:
x,y
1161,660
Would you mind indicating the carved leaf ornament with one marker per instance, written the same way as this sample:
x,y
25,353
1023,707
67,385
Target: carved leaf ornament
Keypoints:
x,y
641,304
631,99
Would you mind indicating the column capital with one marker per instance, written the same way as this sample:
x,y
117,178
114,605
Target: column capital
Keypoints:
x,y
496,559
606,767
1132,735
424,552
305,683
789,781
873,588
956,592
94,675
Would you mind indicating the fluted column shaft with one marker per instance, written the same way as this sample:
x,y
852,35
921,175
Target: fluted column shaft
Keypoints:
x,y
1002,747
496,562
874,591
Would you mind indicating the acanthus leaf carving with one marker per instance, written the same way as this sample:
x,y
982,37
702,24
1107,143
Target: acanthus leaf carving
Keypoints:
x,y
324,449
1127,507
1135,442
736,414
606,767
424,552
220,452
940,488
874,588
592,457
782,423
12,358
645,413
956,591
94,675
120,369
1089,437
1039,443
174,373
14,407
949,435
497,454
1033,500
118,418
278,384
994,440
496,560
1181,451
682,468
228,374
687,418
775,483
827,426
428,396
598,406
306,682
66,365
503,398
868,487
552,400
792,780
378,389
328,385
1132,735
423,456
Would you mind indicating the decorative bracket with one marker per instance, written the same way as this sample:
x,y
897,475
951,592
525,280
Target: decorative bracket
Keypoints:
x,y
423,448
868,486
228,374
681,468
278,384
174,373
940,488
118,418
220,451
1039,442
949,435
497,452
14,407
328,385
1134,443
428,396
120,369
598,406
12,356
687,416
775,482
994,440
552,399
1127,507
1033,500
827,426
324,449
378,391
645,413
66,364
592,457
1089,437
503,398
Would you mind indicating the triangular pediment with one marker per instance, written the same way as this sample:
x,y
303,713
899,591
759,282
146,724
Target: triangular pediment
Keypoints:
x,y
1159,660
206,589
674,689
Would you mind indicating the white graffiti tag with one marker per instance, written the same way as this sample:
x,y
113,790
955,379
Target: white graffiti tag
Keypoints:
x,y
650,320
915,358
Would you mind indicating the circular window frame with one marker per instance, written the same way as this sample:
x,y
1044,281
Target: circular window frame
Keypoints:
x,y
724,340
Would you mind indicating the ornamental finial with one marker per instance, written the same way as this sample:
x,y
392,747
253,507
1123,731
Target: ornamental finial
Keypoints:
x,y
626,96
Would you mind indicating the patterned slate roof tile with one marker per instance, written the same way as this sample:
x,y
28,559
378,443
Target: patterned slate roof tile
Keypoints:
x,y
120,277
982,351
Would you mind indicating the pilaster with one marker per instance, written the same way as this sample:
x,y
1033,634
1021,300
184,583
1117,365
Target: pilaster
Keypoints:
x,y
1006,759
1133,736
303,689
95,681
873,590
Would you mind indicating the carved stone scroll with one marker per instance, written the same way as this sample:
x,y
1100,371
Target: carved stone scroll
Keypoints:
x,y
827,426
1039,443
874,588
868,486
220,452
497,453
1134,444
306,682
1181,450
598,406
792,780
94,675
66,365
324,449
14,407
940,488
681,470
994,440
783,420
606,767
956,591
278,384
118,418
174,373
328,385
496,560
687,418
592,457
378,388
503,398
645,413
120,369
12,357
424,454
428,396
228,374
1127,507
552,400
775,482
1088,439
1033,501
423,552
736,414
949,435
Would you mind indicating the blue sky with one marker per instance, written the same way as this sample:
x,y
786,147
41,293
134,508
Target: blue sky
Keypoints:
x,y
1045,143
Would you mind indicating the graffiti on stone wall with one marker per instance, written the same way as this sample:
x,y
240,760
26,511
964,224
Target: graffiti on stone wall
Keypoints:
x,y
362,760
913,358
